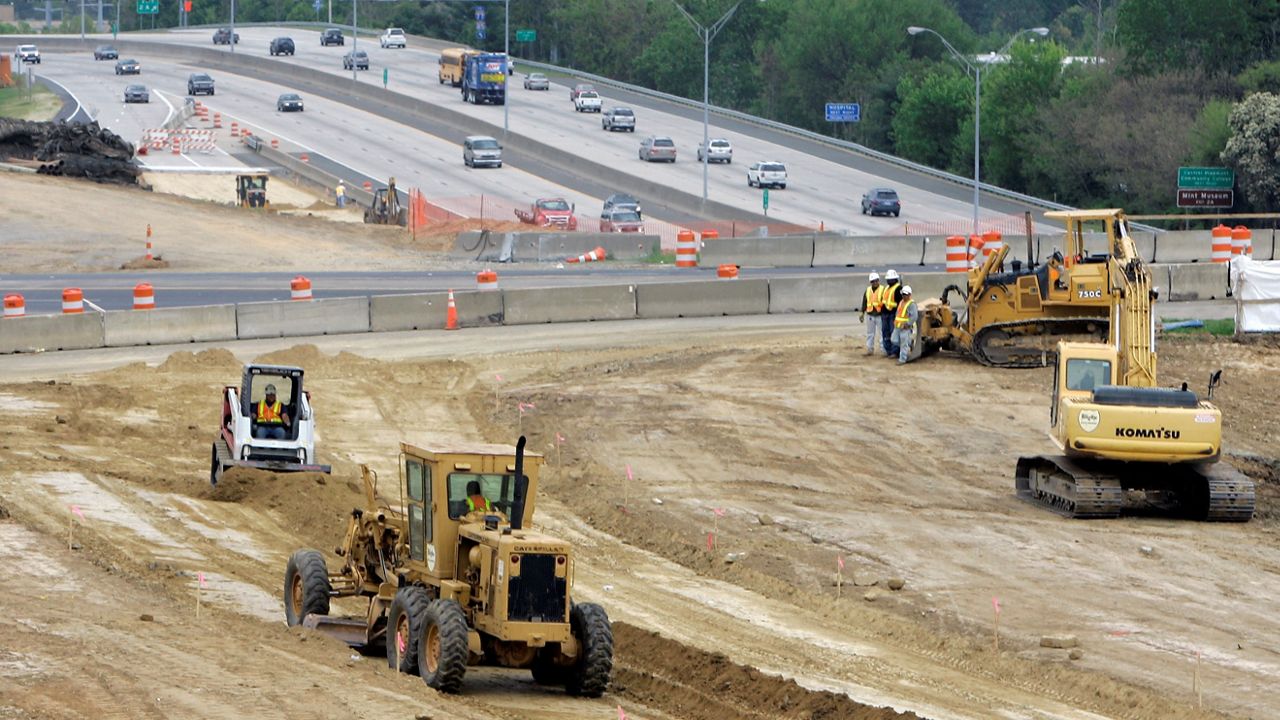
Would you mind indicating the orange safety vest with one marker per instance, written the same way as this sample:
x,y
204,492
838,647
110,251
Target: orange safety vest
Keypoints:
x,y
874,305
471,504
889,302
269,413
903,319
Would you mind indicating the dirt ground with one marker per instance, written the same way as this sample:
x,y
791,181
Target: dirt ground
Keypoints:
x,y
811,451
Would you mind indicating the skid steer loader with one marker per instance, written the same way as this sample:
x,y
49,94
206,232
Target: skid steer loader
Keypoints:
x,y
455,577
238,443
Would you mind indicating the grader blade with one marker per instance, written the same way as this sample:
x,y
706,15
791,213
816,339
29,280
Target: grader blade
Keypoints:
x,y
351,631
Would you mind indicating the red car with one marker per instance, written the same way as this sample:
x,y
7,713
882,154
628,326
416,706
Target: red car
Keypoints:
x,y
621,220
579,89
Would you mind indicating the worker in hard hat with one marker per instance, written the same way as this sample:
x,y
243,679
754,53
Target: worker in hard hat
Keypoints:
x,y
870,309
906,320
271,418
890,295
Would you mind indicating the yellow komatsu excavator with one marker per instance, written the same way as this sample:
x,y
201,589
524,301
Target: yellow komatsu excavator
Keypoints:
x,y
1127,443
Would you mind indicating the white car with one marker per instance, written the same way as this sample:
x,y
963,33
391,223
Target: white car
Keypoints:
x,y
767,174
721,151
393,37
27,54
587,102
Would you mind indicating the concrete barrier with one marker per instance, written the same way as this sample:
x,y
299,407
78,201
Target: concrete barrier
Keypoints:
x,y
789,251
835,293
164,326
570,304
553,246
1201,281
39,333
426,311
702,299
331,316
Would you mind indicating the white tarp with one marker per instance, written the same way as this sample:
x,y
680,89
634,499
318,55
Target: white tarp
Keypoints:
x,y
1256,287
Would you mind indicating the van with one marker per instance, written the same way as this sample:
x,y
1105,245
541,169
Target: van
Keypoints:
x,y
481,151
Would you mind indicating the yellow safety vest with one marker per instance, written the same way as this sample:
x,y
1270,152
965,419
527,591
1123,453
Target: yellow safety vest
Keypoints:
x,y
873,300
903,319
471,505
269,413
889,302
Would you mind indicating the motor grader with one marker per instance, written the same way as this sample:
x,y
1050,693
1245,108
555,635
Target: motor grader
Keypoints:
x,y
455,577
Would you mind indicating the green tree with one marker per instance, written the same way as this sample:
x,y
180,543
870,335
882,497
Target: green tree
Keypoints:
x,y
1011,93
1254,148
930,113
1184,35
1261,77
1210,133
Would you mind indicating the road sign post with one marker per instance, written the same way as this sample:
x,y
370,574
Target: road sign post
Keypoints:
x,y
526,35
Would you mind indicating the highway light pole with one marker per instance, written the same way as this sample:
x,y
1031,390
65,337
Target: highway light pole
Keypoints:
x,y
707,34
232,39
976,68
355,36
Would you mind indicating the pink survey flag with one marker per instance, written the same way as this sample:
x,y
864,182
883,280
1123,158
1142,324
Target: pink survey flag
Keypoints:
x,y
200,577
629,472
75,510
840,561
995,603
718,511
499,377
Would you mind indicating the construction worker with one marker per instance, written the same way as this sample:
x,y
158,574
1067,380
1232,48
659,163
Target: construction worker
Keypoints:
x,y
871,305
905,322
475,499
271,417
341,192
890,295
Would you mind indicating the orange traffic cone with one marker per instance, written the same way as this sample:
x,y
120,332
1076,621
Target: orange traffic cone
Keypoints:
x,y
451,315
597,254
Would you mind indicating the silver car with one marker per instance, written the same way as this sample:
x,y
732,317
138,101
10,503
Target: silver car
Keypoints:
x,y
618,118
481,150
721,151
536,81
136,94
657,147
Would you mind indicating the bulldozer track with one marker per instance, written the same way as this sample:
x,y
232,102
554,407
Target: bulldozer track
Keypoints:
x,y
998,344
1068,489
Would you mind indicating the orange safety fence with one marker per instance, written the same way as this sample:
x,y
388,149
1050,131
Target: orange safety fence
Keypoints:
x,y
1003,224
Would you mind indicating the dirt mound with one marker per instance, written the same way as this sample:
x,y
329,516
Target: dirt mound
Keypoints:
x,y
698,685
215,359
312,505
309,357
142,263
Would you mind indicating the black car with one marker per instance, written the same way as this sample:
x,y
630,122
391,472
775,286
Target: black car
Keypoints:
x,y
137,93
223,36
128,67
282,46
621,201
332,36
105,52
881,201
359,58
289,102
199,84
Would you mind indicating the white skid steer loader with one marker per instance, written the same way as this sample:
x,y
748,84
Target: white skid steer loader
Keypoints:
x,y
284,442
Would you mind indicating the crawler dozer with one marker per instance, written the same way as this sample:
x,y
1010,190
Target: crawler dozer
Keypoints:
x,y
453,579
1127,443
1015,319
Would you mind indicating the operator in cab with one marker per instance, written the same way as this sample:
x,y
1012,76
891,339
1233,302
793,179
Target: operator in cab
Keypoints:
x,y
475,499
271,417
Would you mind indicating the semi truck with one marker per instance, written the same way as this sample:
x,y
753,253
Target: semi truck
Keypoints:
x,y
484,78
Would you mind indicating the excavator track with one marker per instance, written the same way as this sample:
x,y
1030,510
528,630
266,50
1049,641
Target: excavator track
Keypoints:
x,y
1230,495
1065,487
1033,343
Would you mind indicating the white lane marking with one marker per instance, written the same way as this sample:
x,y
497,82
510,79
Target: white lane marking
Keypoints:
x,y
79,105
166,104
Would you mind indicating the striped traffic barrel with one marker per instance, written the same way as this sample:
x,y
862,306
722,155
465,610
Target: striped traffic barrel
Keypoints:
x,y
992,241
686,249
144,297
14,306
299,288
1222,242
1241,240
72,300
957,256
486,280
975,249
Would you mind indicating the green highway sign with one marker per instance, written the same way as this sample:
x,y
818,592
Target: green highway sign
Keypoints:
x,y
1206,178
148,7
526,35
766,198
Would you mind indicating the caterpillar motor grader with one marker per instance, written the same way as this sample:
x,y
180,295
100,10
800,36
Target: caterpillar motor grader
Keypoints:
x,y
457,577
1015,319
1126,442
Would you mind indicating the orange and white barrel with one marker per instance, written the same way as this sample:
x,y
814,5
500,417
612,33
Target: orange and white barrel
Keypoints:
x,y
235,129
686,249
1222,243
300,288
710,234
217,120
975,250
14,306
1241,240
486,280
177,145
727,272
144,297
275,143
992,241
72,300
957,256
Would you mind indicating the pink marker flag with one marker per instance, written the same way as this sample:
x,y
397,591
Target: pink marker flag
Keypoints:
x,y
499,377
622,714
995,603
718,511
75,510
629,473
200,577
525,406
711,541
559,438
840,561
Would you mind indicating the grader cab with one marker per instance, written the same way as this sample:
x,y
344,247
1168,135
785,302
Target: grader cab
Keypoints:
x,y
455,576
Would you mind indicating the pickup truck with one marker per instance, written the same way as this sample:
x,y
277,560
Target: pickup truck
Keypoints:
x,y
27,54
393,37
618,118
549,212
588,101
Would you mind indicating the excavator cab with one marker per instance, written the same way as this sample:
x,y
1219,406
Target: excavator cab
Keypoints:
x,y
251,191
386,208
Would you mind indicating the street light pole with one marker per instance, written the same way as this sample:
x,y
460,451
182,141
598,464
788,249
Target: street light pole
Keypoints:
x,y
706,34
232,40
976,68
355,36
81,19
506,80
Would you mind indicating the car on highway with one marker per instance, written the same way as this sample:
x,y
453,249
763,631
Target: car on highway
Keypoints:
x,y
621,220
621,201
199,84
136,94
128,67
289,102
332,36
224,36
536,81
721,151
618,118
580,88
393,38
658,147
881,201
105,52
281,46
767,174
358,58
481,150
27,54
587,102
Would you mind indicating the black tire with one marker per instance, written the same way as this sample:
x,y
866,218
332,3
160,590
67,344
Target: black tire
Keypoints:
x,y
442,662
589,677
404,625
546,672
783,186
896,213
306,586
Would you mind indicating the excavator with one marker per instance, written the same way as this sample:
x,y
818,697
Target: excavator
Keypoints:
x,y
1014,319
1126,442
386,208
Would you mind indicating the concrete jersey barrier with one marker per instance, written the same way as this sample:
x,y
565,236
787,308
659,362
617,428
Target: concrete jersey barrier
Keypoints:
x,y
570,304
786,251
41,333
330,316
702,299
427,311
168,326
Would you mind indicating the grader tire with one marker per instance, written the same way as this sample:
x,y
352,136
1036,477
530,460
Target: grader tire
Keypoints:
x,y
546,672
306,586
590,676
442,657
404,624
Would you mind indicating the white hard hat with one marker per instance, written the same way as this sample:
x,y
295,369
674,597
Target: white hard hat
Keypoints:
x,y
906,289
891,275
874,276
